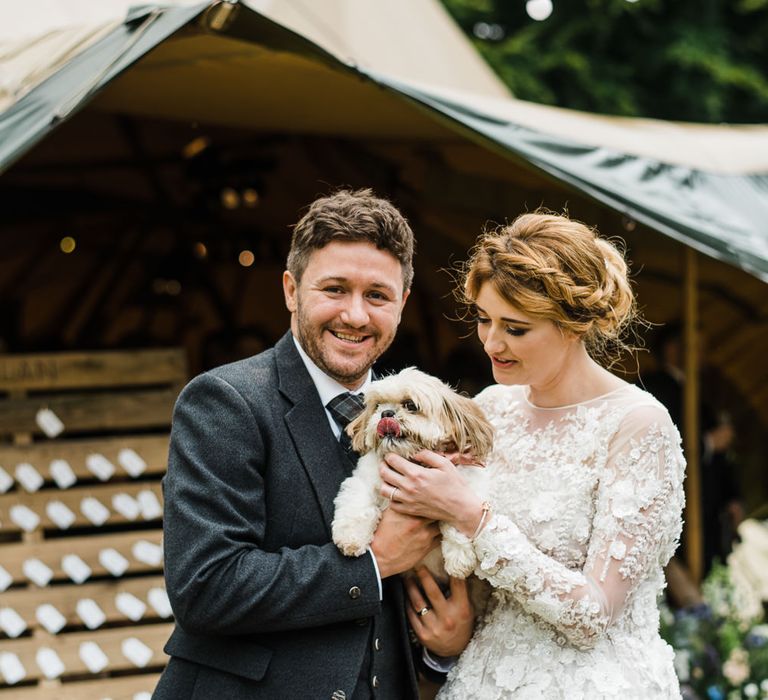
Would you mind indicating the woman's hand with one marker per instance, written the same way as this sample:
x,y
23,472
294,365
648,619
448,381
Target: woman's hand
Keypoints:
x,y
433,489
447,626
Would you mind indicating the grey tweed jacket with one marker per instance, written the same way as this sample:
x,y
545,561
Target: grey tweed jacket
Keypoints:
x,y
265,605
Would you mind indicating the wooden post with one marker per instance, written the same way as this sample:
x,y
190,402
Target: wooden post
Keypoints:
x,y
693,516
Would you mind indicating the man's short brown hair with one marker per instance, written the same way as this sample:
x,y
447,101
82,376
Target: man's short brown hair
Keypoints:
x,y
352,216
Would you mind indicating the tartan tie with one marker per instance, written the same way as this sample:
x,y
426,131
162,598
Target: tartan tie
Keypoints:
x,y
343,409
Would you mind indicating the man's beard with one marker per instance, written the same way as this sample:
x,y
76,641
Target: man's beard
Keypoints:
x,y
310,339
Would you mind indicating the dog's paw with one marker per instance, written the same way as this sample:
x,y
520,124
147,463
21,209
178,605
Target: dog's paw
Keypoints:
x,y
460,560
349,540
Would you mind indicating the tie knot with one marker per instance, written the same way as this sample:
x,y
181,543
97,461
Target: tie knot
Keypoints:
x,y
345,408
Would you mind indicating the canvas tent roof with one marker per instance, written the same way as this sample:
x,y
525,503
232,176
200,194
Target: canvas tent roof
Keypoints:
x,y
706,186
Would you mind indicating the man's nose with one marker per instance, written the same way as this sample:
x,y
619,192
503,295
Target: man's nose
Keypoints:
x,y
355,313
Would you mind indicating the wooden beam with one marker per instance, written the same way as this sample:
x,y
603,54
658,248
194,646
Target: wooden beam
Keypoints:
x,y
693,516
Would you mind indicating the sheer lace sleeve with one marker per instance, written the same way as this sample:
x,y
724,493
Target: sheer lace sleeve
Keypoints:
x,y
635,528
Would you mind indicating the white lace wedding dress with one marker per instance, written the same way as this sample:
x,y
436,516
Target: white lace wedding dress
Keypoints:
x,y
586,511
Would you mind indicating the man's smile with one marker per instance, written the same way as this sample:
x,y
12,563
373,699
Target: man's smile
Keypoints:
x,y
350,338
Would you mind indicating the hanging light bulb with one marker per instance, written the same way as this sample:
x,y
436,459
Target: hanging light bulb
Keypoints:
x,y
246,258
538,9
67,244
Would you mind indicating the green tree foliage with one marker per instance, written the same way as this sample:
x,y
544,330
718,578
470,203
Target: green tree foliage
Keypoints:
x,y
690,60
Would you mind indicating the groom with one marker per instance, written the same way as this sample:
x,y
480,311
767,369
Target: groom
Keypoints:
x,y
265,605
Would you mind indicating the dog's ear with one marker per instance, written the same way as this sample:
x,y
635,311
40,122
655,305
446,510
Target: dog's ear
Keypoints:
x,y
472,430
356,429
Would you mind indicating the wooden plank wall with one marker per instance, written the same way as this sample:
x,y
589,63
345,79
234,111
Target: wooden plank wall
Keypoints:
x,y
83,609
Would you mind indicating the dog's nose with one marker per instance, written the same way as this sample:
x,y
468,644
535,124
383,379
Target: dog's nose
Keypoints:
x,y
388,414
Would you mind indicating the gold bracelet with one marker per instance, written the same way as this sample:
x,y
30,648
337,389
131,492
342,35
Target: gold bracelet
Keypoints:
x,y
486,510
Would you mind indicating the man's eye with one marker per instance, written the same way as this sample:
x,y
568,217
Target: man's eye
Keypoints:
x,y
409,405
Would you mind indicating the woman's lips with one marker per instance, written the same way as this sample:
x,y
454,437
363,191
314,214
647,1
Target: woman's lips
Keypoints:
x,y
498,362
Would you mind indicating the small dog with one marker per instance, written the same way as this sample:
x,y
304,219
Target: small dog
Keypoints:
x,y
403,414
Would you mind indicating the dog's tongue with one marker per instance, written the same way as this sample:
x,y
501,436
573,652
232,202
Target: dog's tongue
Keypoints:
x,y
388,427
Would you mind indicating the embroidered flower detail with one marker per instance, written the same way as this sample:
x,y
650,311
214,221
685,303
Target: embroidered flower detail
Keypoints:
x,y
544,507
617,550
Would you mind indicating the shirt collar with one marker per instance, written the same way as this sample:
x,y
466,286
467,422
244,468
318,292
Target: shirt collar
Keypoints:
x,y
326,387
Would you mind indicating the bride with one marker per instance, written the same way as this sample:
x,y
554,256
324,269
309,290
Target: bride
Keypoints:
x,y
587,473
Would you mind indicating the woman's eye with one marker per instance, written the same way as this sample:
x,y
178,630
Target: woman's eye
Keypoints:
x,y
517,331
481,319
409,405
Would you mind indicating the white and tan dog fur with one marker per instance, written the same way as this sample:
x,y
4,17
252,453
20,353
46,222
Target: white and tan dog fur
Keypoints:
x,y
404,413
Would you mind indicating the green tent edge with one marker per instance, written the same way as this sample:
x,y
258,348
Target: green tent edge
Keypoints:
x,y
686,205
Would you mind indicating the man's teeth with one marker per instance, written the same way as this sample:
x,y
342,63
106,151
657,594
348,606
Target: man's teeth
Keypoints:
x,y
350,338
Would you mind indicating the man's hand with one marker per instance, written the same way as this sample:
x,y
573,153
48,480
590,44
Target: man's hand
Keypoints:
x,y
402,541
448,625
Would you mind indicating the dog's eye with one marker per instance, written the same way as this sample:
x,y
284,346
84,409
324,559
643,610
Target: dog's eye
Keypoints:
x,y
408,405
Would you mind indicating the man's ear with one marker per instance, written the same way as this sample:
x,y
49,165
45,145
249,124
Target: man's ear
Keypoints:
x,y
290,291
406,294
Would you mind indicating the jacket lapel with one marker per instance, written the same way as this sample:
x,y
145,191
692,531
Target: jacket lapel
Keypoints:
x,y
306,420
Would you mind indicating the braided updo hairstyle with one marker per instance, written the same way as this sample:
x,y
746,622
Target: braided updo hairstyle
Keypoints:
x,y
551,267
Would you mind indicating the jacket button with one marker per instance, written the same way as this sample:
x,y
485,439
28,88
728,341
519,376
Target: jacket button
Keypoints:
x,y
377,644
354,592
375,681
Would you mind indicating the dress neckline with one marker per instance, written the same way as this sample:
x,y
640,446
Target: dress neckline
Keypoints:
x,y
572,405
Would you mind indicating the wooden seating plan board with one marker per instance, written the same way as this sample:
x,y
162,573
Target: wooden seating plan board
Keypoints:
x,y
83,446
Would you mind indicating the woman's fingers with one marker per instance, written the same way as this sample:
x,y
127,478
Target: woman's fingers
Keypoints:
x,y
433,460
434,595
418,602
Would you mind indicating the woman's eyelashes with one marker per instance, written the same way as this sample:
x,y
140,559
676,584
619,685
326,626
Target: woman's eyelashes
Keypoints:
x,y
517,332
511,330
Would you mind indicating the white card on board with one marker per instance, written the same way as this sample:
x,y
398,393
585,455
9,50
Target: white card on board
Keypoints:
x,y
29,477
24,517
99,466
94,510
130,606
149,505
126,505
93,657
11,622
138,653
49,422
5,579
131,461
49,662
113,561
74,567
59,514
6,480
50,618
90,613
62,473
11,668
147,552
37,572
158,599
